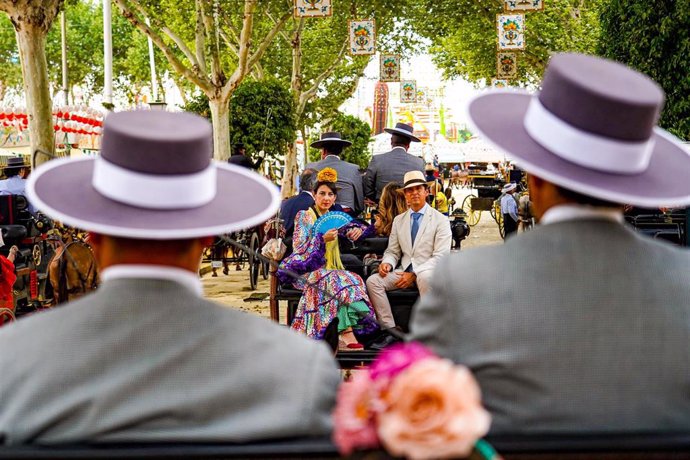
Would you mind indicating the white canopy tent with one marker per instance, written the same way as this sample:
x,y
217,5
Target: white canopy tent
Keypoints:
x,y
381,143
479,151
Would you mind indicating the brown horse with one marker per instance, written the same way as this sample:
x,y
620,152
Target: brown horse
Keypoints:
x,y
72,271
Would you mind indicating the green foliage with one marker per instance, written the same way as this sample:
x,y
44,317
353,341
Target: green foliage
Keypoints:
x,y
652,37
463,35
11,76
354,130
262,117
249,121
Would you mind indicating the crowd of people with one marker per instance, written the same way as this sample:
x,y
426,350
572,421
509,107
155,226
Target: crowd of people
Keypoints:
x,y
578,325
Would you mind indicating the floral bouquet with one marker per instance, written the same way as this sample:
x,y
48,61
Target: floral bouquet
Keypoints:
x,y
413,404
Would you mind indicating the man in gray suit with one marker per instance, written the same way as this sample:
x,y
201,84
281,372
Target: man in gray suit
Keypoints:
x,y
146,357
350,191
392,166
587,328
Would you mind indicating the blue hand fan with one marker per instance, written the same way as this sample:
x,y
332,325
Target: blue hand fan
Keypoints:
x,y
330,220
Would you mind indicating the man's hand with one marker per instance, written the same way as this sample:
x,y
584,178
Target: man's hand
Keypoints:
x,y
354,233
406,280
369,202
384,269
330,235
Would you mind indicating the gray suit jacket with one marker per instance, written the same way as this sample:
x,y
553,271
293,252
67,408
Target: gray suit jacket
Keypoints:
x,y
431,243
351,193
148,360
573,326
389,167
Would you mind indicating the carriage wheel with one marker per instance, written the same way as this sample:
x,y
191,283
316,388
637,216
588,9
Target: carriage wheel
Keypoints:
x,y
264,269
473,215
254,262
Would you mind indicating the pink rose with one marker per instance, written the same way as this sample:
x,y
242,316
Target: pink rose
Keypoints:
x,y
353,417
433,411
397,358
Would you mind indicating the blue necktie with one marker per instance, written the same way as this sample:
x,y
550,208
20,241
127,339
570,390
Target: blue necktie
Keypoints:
x,y
415,224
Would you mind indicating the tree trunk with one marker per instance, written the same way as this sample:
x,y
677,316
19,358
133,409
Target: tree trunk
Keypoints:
x,y
31,41
287,186
220,116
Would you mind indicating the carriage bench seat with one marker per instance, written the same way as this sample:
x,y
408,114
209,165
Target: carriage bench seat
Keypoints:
x,y
401,301
585,446
13,233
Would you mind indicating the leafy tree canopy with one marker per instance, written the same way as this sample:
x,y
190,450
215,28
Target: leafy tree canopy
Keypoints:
x,y
652,37
354,130
250,121
463,35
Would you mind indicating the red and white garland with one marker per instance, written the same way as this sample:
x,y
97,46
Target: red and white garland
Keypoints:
x,y
67,119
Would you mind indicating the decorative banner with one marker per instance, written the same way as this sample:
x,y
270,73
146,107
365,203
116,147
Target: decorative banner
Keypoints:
x,y
312,8
408,91
389,68
511,31
362,37
506,64
422,95
524,5
498,83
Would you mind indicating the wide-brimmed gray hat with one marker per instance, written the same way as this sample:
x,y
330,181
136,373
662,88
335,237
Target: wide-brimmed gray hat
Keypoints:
x,y
154,179
403,129
591,129
16,163
330,137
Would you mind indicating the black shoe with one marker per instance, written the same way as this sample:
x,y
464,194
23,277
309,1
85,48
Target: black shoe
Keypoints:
x,y
385,341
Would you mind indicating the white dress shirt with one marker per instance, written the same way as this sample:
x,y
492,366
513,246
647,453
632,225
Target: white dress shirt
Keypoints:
x,y
186,278
566,212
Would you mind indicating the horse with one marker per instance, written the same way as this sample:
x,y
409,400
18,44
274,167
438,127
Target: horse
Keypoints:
x,y
72,271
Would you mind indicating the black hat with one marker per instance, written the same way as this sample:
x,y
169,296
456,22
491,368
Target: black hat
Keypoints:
x,y
16,163
331,137
403,129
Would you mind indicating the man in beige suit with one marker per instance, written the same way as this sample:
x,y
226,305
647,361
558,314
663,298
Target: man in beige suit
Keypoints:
x,y
146,357
419,237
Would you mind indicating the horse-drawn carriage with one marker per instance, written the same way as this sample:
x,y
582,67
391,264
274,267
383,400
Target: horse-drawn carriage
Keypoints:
x,y
488,189
51,267
224,254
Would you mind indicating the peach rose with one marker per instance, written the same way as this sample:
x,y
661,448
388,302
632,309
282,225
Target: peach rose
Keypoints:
x,y
353,418
433,411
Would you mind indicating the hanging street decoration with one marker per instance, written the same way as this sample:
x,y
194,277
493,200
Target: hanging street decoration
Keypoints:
x,y
408,91
312,8
389,68
523,5
499,83
506,65
422,95
511,31
362,37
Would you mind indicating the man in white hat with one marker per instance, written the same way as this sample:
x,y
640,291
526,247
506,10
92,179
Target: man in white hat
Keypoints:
x,y
392,166
588,329
509,209
419,238
146,357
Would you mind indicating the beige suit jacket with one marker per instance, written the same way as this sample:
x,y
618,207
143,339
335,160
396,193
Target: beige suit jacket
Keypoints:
x,y
432,242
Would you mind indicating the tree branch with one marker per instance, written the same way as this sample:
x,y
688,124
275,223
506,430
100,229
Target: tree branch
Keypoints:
x,y
282,31
216,70
311,92
263,46
243,55
199,35
194,76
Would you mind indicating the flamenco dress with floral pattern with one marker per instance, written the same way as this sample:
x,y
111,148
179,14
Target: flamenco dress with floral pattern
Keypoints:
x,y
328,290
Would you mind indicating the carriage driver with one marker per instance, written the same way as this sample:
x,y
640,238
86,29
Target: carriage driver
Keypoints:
x,y
155,361
16,171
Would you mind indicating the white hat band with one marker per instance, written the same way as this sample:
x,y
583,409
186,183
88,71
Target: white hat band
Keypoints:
x,y
154,191
583,148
